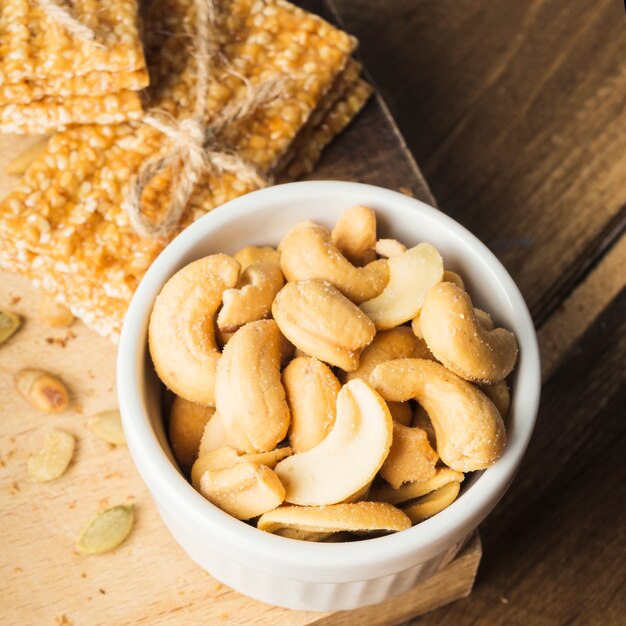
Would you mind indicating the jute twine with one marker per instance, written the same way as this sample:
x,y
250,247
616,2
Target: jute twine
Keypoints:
x,y
57,12
194,148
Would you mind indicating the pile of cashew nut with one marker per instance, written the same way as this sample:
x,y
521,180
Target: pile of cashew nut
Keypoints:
x,y
335,387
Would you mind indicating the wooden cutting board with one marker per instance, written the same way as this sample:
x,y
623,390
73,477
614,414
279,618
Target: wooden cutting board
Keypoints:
x,y
149,579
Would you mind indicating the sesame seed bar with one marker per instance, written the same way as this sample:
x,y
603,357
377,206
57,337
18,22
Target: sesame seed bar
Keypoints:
x,y
91,84
42,116
64,226
344,81
34,47
308,148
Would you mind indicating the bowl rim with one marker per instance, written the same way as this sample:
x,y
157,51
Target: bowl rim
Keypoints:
x,y
270,553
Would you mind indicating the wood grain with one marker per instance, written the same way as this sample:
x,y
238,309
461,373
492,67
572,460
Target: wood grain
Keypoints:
x,y
516,112
581,308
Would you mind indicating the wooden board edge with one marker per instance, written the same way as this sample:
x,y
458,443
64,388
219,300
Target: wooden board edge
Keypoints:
x,y
453,582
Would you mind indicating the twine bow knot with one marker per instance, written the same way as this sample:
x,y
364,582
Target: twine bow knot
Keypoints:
x,y
195,144
195,148
58,11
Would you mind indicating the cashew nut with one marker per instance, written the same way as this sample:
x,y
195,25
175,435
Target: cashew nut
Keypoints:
x,y
401,412
354,235
181,330
395,343
433,503
410,491
308,252
252,299
353,517
311,389
411,276
410,457
500,395
458,340
186,427
249,395
319,320
243,490
389,248
469,429
215,436
484,319
421,420
222,338
350,455
224,456
302,535
453,277
253,254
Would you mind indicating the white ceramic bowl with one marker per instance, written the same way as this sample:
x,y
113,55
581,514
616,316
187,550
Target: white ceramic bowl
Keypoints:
x,y
298,574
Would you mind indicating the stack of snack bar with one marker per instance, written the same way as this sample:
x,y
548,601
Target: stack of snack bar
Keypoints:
x,y
65,225
51,78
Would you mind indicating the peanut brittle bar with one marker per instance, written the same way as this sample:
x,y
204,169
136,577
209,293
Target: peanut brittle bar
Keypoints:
x,y
92,84
48,114
34,47
344,81
64,225
308,148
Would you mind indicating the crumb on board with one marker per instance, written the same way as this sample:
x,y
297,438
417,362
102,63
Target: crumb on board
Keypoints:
x,y
63,620
14,488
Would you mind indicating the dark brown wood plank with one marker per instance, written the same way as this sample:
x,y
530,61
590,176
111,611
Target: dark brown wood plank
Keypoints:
x,y
516,112
578,311
382,158
373,151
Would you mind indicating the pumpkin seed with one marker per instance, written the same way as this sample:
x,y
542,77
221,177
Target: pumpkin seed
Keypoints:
x,y
107,426
107,530
52,460
9,323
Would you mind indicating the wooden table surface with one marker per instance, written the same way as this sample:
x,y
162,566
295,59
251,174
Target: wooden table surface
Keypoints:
x,y
516,113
